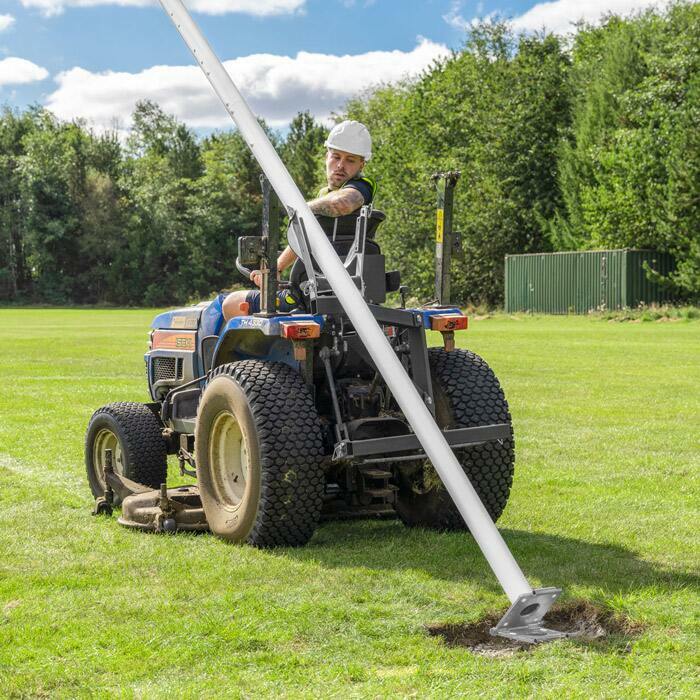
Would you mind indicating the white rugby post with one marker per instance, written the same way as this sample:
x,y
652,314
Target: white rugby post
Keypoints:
x,y
528,606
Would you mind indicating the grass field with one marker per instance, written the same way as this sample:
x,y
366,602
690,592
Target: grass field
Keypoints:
x,y
605,503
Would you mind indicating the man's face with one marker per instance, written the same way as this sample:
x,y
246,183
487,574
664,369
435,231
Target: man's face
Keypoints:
x,y
341,166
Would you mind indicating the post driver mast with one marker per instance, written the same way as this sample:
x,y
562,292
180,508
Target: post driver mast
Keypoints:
x,y
523,621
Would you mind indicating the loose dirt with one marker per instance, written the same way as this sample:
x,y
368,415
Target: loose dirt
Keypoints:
x,y
587,622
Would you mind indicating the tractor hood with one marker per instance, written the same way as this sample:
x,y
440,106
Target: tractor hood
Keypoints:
x,y
205,317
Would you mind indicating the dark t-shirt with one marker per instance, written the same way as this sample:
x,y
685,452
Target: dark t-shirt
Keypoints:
x,y
363,184
340,227
363,187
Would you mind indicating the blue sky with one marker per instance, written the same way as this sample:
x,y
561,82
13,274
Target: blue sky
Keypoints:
x,y
93,59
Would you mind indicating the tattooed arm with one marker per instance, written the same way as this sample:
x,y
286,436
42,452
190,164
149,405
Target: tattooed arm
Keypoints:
x,y
337,203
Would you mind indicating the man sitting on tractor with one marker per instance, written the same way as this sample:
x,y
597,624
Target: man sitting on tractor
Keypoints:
x,y
349,147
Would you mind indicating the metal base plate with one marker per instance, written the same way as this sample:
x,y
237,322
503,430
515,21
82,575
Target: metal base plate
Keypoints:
x,y
523,621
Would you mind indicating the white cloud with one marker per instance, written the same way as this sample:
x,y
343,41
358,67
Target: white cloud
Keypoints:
x,y
454,18
17,71
276,87
559,16
209,7
6,21
458,22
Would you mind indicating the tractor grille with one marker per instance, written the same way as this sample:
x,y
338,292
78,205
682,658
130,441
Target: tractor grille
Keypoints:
x,y
167,368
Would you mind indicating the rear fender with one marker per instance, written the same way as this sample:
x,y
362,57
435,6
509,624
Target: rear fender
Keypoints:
x,y
249,344
257,337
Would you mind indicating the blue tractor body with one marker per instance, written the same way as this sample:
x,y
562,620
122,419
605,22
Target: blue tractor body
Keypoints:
x,y
207,341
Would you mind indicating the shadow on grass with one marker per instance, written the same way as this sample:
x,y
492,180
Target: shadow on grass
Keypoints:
x,y
548,560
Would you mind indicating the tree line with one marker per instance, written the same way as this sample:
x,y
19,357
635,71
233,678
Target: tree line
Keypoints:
x,y
563,144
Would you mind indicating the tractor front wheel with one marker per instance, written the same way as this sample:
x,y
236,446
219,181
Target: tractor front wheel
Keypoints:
x,y
134,435
258,450
467,394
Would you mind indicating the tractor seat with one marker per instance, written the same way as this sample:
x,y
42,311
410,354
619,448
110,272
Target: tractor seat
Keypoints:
x,y
341,232
339,228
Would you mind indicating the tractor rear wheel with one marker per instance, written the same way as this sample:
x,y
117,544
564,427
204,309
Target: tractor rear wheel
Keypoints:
x,y
134,434
258,450
467,394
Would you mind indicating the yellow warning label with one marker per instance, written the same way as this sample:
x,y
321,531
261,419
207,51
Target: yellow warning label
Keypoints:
x,y
440,225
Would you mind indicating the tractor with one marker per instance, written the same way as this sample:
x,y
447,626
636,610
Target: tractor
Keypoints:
x,y
285,419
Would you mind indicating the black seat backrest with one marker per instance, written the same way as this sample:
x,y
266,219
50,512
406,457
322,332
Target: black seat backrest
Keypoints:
x,y
373,274
341,232
342,236
343,227
343,247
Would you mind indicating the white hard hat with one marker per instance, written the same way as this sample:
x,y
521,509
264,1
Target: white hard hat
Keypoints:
x,y
352,137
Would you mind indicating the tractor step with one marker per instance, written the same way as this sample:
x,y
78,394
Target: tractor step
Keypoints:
x,y
386,492
375,473
341,510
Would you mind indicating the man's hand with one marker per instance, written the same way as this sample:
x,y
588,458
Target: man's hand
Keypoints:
x,y
256,277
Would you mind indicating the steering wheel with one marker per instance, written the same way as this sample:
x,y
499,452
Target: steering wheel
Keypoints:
x,y
247,272
243,270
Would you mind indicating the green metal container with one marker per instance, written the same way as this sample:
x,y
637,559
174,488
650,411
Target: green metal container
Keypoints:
x,y
584,281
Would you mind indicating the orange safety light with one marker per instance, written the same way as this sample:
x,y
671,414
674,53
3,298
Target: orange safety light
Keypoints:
x,y
448,322
173,340
300,330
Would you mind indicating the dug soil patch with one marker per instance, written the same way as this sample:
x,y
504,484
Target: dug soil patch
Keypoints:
x,y
588,623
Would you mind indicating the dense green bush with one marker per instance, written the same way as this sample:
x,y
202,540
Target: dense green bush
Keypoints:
x,y
495,111
630,165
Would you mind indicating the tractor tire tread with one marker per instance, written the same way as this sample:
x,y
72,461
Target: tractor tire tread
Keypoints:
x,y
475,398
291,451
143,442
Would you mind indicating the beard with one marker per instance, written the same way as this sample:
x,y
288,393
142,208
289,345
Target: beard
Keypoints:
x,y
337,178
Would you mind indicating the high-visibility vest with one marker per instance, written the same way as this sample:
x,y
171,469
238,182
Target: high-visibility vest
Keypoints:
x,y
362,178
